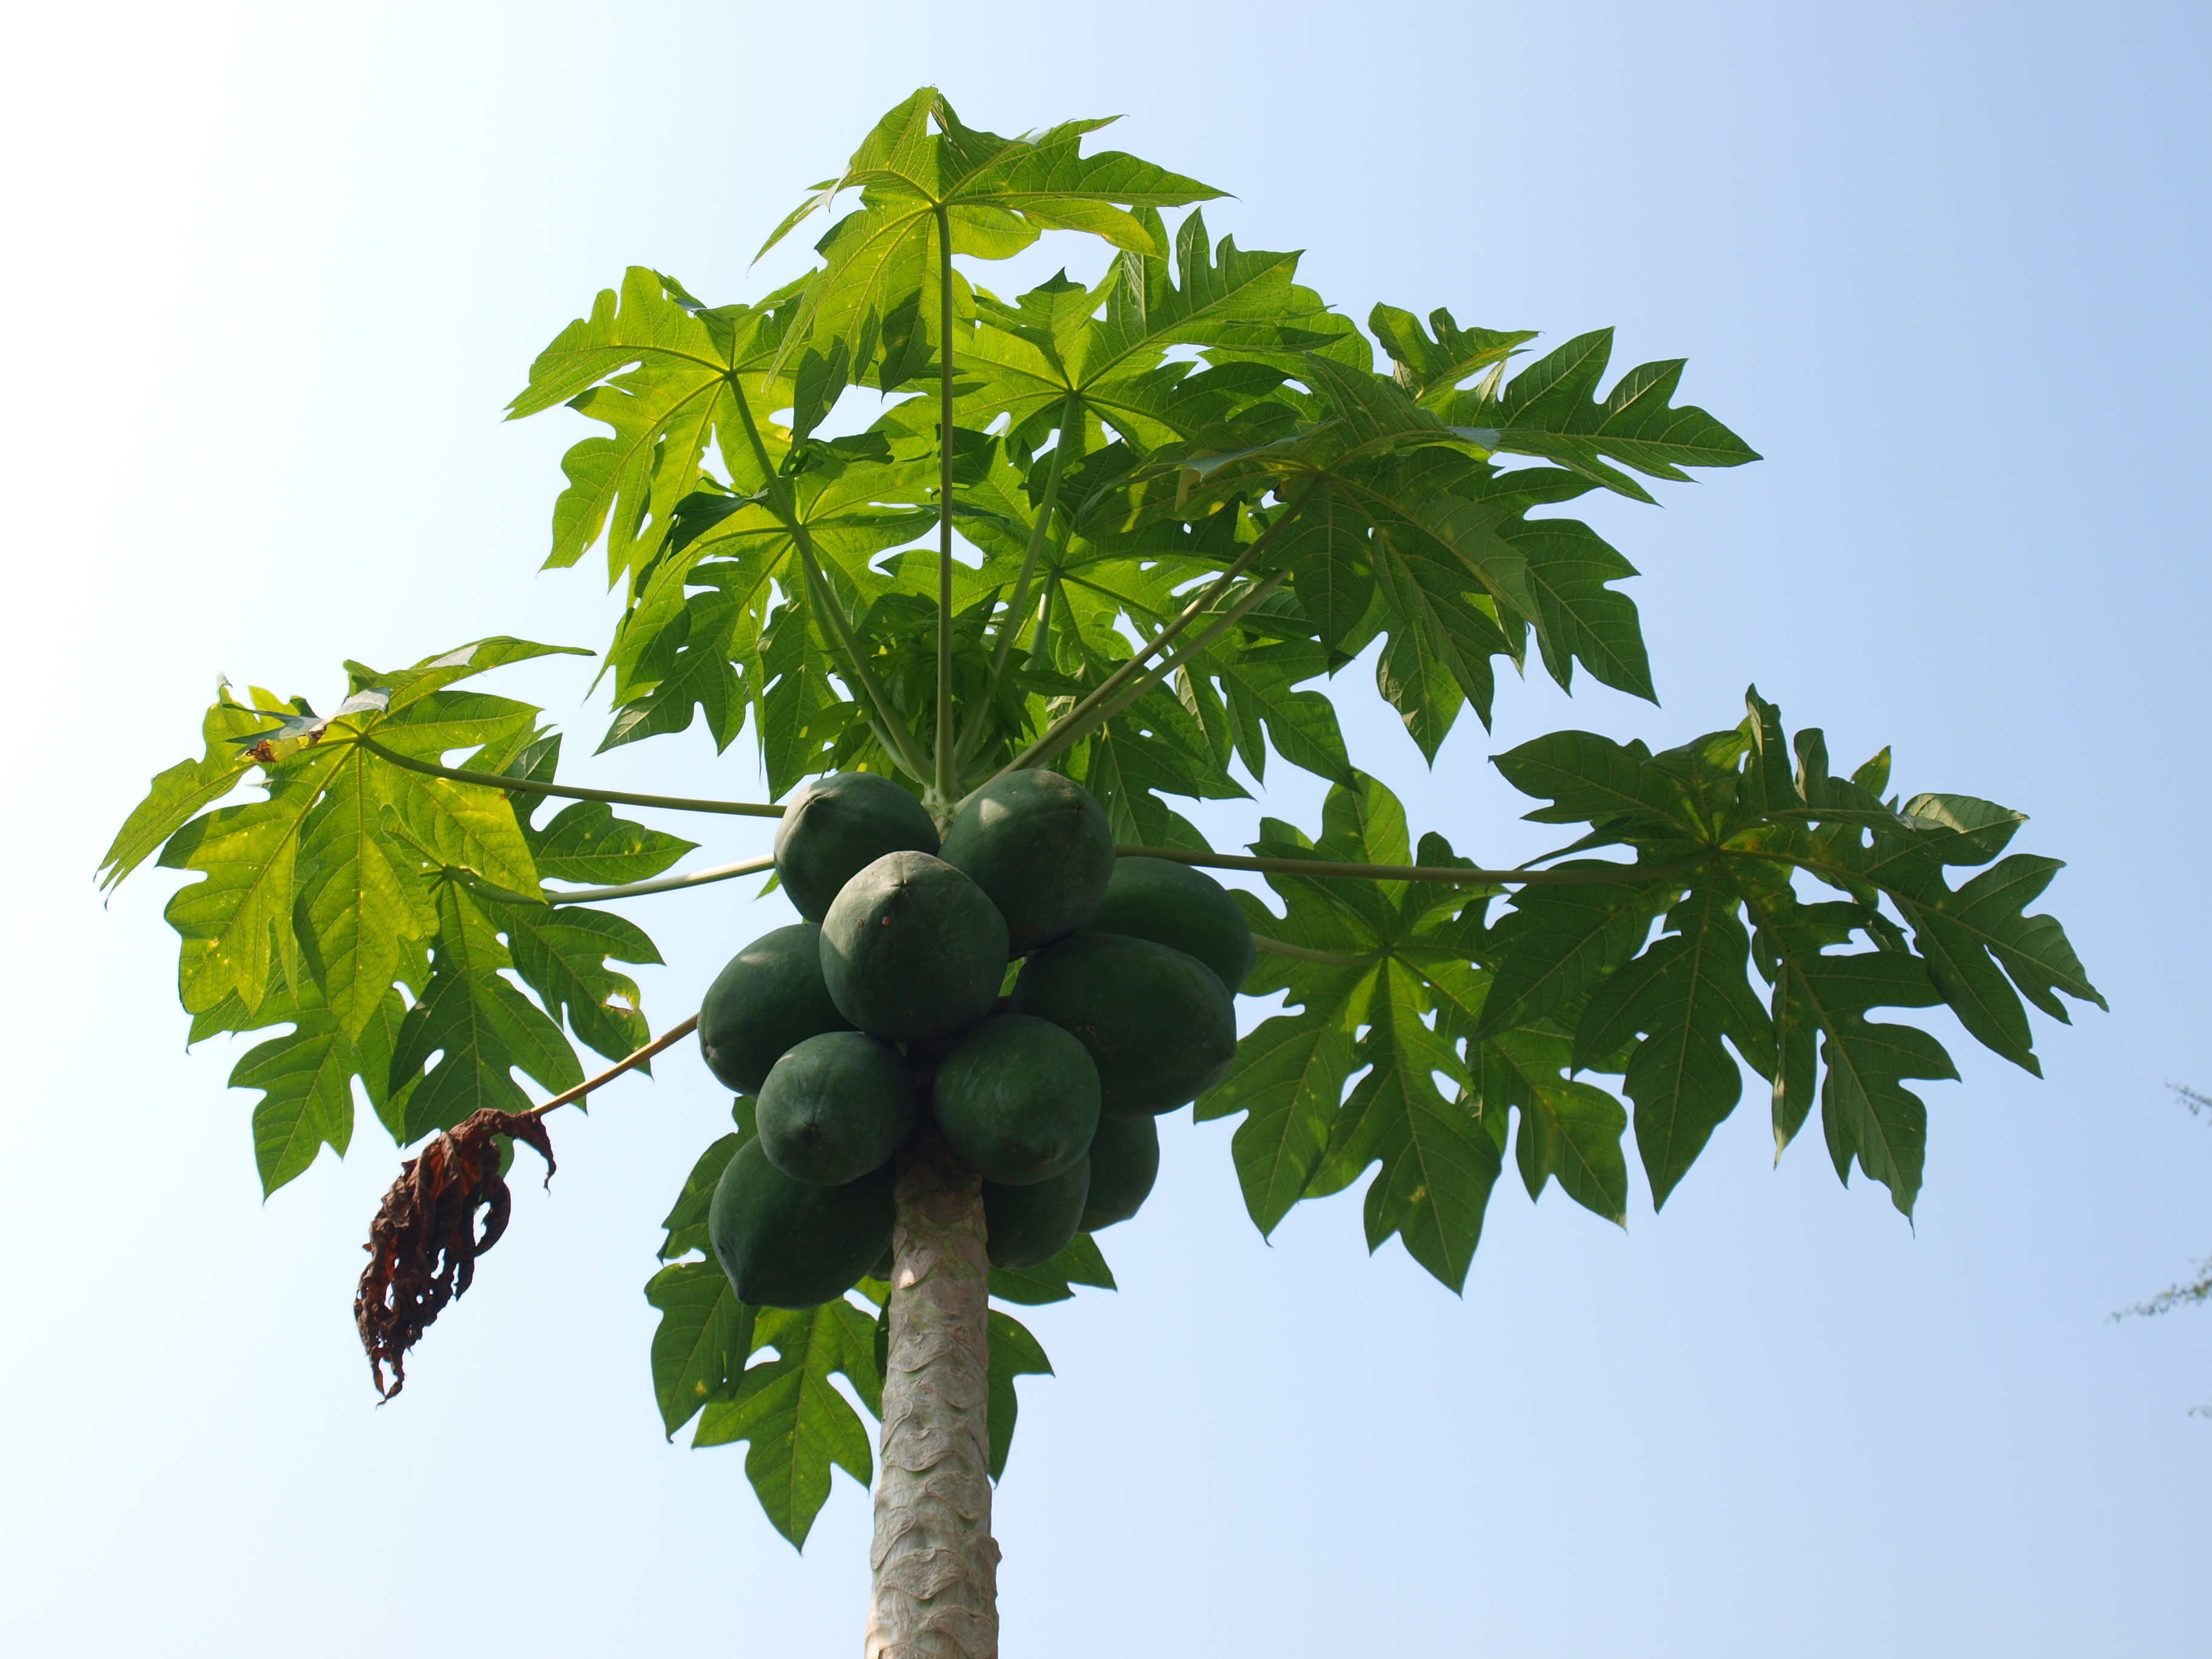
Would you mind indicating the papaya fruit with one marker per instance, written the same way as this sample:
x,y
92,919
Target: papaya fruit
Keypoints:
x,y
836,827
1025,1225
787,1244
769,997
913,949
835,1107
1160,1026
1016,1099
1040,845
1184,909
884,1264
1125,1161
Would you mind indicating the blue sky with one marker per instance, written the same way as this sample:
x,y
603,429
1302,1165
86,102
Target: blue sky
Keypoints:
x,y
276,270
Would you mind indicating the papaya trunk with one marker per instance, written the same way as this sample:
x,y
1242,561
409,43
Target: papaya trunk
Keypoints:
x,y
935,1587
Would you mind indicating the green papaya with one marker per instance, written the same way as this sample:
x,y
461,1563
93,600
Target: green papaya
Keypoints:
x,y
836,827
1125,1161
769,997
1017,1098
1184,909
1025,1225
835,1107
786,1244
1160,1026
884,1263
912,949
1041,847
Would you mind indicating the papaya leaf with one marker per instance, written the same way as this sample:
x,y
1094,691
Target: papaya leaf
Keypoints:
x,y
1288,1079
1438,1163
1735,799
1558,942
1433,367
585,841
472,1030
1571,1130
308,1100
362,913
878,286
1014,1353
235,920
1080,1263
686,1223
703,1340
177,794
797,1423
561,953
1551,409
1681,997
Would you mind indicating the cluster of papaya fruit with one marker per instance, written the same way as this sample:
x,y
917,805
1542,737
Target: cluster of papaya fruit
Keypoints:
x,y
886,1013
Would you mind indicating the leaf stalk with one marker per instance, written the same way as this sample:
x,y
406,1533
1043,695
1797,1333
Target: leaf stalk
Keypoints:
x,y
568,792
944,757
1121,676
1068,734
1321,867
1019,602
903,747
674,1035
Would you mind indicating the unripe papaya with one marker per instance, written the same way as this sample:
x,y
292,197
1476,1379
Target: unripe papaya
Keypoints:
x,y
1125,1161
769,997
1160,1026
836,827
835,1107
1024,1226
786,1244
1017,1098
913,949
1184,909
1040,845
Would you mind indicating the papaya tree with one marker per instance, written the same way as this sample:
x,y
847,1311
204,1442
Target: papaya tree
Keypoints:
x,y
1086,551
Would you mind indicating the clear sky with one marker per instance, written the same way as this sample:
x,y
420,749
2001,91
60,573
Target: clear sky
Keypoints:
x,y
274,272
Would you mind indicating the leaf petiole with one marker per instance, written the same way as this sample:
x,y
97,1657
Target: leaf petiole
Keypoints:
x,y
903,749
1083,711
1048,746
1584,876
567,791
1012,624
674,1035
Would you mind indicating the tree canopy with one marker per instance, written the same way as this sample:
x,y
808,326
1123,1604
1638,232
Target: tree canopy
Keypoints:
x,y
1126,526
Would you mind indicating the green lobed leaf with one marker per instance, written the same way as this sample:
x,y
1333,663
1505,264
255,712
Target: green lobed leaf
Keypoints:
x,y
472,1030
585,841
1014,1353
177,794
797,1423
703,1340
561,953
308,1100
1080,1263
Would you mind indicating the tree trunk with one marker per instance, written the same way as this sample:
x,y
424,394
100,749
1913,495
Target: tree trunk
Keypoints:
x,y
936,1565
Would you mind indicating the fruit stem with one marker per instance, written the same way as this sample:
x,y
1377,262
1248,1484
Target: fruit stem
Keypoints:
x,y
935,1585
